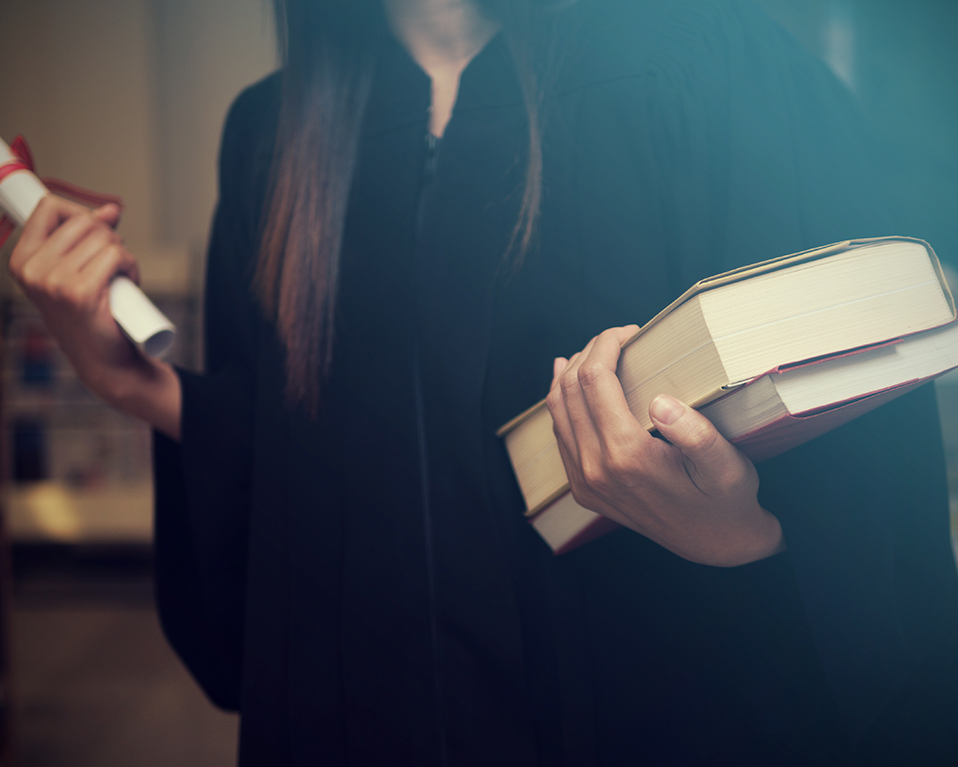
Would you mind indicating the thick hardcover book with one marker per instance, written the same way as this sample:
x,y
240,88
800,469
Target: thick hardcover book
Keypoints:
x,y
721,339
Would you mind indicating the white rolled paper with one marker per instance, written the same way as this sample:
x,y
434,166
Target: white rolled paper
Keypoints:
x,y
145,325
20,192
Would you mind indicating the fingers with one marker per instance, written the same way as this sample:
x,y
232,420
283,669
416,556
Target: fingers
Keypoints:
x,y
113,260
594,428
602,393
67,256
55,262
565,405
587,403
558,365
109,214
48,215
61,235
74,230
714,463
52,232
587,379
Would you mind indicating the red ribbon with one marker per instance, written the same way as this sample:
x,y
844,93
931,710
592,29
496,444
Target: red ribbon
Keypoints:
x,y
24,161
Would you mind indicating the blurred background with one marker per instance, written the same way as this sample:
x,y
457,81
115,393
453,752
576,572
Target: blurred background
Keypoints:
x,y
128,97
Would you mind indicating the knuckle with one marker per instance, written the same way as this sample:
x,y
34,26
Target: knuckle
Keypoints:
x,y
72,295
100,237
554,399
593,473
50,202
83,221
61,291
86,225
29,275
54,288
568,384
589,372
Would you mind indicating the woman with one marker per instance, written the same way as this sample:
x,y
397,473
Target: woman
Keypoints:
x,y
341,554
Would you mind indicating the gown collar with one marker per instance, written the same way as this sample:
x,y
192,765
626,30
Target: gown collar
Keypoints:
x,y
400,94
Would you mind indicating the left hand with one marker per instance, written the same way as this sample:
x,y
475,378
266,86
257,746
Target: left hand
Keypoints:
x,y
696,494
64,262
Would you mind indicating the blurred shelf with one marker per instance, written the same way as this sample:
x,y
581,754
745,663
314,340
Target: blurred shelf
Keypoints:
x,y
76,471
42,512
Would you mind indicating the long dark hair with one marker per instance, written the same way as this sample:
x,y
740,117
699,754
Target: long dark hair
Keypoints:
x,y
328,51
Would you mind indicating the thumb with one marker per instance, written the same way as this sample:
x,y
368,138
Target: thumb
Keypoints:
x,y
715,460
109,214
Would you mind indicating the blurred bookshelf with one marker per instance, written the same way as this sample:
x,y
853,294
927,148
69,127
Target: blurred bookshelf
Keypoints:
x,y
77,471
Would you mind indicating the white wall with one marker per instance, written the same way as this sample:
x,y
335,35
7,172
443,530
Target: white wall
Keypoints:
x,y
128,97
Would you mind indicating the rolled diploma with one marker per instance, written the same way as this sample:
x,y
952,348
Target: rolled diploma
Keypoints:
x,y
145,325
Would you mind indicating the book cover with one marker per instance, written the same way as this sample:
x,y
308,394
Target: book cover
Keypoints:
x,y
531,443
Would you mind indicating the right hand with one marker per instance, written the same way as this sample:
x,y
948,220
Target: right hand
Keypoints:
x,y
64,262
693,492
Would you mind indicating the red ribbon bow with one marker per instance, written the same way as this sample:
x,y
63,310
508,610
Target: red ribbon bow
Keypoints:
x,y
24,161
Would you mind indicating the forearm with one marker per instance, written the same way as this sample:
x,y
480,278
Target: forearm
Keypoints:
x,y
154,396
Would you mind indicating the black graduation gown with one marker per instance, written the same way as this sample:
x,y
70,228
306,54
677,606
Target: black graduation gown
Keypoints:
x,y
362,586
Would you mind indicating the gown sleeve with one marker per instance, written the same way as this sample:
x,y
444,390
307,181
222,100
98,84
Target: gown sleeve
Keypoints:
x,y
202,484
730,146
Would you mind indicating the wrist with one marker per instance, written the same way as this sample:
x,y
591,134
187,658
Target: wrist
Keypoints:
x,y
733,543
153,395
761,538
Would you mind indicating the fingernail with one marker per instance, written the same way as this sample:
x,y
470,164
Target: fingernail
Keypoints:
x,y
665,409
